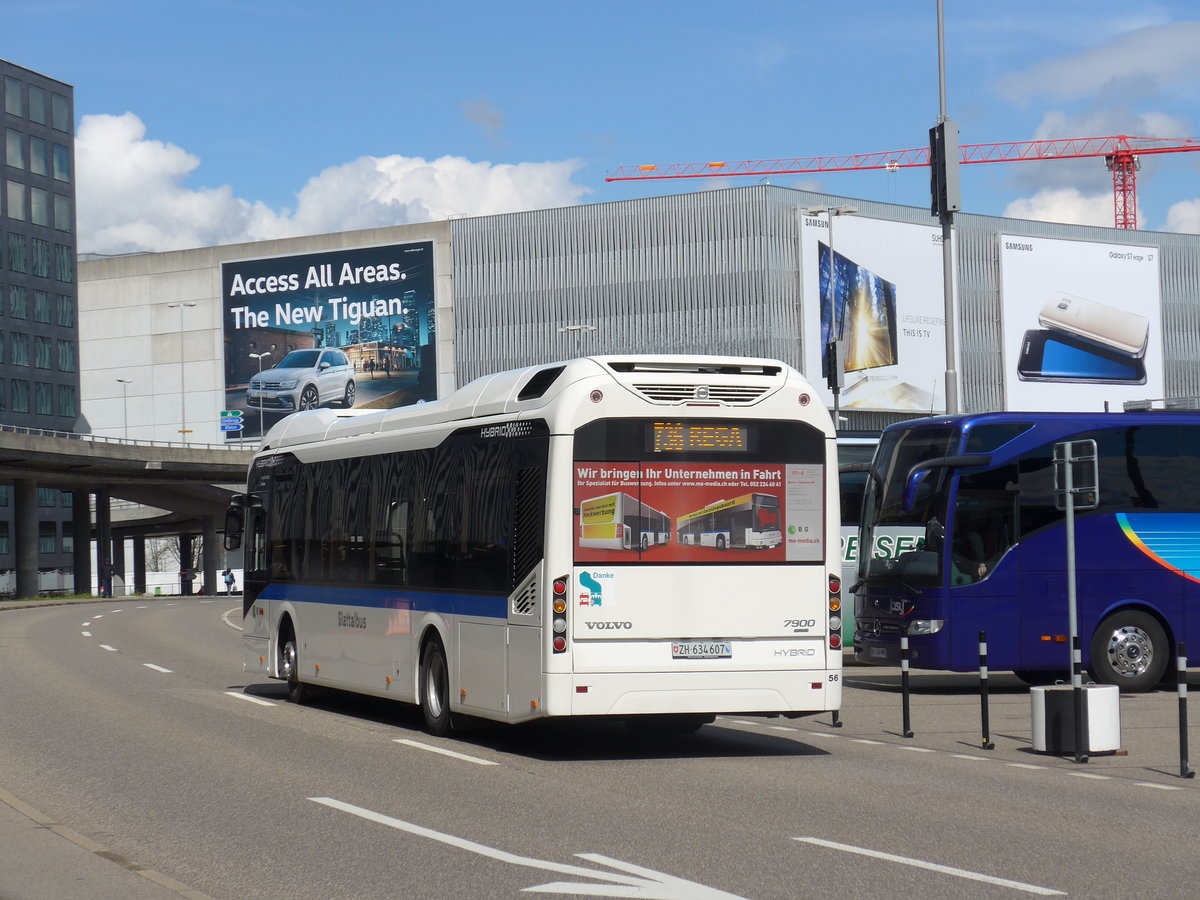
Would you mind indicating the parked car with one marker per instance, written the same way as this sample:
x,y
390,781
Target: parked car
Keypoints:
x,y
304,379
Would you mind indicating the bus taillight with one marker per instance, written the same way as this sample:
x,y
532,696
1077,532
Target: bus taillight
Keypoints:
x,y
835,607
559,621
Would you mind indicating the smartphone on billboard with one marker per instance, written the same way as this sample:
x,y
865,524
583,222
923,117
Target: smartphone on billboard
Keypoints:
x,y
1113,328
1053,356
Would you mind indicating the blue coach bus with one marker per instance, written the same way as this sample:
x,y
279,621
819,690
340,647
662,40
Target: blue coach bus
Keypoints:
x,y
981,491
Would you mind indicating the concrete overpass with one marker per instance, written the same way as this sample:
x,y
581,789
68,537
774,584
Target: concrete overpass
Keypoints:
x,y
190,483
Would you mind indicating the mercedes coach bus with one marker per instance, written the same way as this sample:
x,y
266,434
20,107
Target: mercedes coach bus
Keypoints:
x,y
980,490
435,554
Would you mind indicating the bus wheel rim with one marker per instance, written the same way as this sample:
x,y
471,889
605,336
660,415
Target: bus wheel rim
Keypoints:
x,y
1130,651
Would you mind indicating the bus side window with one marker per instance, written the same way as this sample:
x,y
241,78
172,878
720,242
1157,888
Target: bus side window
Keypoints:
x,y
391,545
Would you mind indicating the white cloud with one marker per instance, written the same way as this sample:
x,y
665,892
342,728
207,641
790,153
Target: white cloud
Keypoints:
x,y
1066,205
1137,62
132,196
1184,217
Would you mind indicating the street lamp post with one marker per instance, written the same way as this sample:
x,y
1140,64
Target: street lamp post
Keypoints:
x,y
837,322
125,382
183,429
578,331
260,357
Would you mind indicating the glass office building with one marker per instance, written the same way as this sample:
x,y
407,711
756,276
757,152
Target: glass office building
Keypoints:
x,y
39,339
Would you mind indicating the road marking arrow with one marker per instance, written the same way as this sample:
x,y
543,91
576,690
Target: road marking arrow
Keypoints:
x,y
645,883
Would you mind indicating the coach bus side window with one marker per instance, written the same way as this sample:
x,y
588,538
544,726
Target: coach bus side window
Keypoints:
x,y
984,522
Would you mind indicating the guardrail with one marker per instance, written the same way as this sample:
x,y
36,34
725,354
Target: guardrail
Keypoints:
x,y
233,444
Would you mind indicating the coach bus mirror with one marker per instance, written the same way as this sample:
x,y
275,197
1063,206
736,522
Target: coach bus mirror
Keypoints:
x,y
912,486
235,519
935,535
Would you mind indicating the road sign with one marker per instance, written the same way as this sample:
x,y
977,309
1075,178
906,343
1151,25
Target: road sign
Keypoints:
x,y
231,413
232,420
233,427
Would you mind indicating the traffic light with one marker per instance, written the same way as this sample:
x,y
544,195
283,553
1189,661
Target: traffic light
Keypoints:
x,y
944,188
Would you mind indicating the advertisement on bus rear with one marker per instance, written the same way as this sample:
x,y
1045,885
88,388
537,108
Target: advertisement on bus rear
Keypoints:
x,y
638,512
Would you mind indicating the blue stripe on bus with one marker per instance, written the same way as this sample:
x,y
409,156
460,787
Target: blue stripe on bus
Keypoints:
x,y
387,598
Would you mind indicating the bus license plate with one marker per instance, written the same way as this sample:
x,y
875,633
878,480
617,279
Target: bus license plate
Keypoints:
x,y
701,650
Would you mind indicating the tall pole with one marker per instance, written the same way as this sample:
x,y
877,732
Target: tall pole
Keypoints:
x,y
835,360
259,357
183,429
946,217
125,382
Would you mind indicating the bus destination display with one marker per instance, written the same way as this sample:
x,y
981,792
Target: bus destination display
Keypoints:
x,y
681,437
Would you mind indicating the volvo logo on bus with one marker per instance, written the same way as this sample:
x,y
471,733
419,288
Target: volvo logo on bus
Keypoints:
x,y
702,392
610,626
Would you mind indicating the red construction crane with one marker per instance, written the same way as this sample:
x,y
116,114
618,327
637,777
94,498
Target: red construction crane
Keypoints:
x,y
1121,154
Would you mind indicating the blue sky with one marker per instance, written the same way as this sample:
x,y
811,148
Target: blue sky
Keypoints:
x,y
211,122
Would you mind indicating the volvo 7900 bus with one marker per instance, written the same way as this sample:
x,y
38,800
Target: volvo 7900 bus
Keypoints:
x,y
991,556
439,554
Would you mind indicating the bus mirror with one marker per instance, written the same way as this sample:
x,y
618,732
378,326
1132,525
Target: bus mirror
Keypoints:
x,y
916,478
235,518
935,535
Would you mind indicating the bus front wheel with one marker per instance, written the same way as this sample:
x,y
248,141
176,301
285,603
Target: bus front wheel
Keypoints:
x,y
1130,650
289,665
435,689
721,542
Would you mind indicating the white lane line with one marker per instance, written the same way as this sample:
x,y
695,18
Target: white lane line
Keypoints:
x,y
86,624
141,607
157,668
739,722
934,867
228,621
116,610
1157,787
821,734
863,741
86,633
108,648
968,756
1024,766
917,749
432,749
1089,775
98,616
250,699
780,728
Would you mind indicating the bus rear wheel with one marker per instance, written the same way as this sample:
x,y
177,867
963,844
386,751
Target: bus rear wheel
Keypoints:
x,y
1130,650
721,542
435,689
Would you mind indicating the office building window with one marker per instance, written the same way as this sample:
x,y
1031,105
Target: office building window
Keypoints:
x,y
19,343
66,401
62,213
64,263
4,548
41,306
12,97
66,499
39,207
43,395
39,156
47,537
14,148
47,497
18,302
3,398
68,541
37,105
15,251
15,192
60,113
41,352
62,163
66,311
4,489
66,356
19,395
41,258
1,346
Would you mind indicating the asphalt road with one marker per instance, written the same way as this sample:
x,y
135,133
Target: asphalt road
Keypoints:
x,y
129,722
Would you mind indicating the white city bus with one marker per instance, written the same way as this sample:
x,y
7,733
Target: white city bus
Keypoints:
x,y
433,554
746,522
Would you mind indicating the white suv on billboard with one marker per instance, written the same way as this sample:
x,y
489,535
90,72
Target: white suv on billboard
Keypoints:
x,y
304,379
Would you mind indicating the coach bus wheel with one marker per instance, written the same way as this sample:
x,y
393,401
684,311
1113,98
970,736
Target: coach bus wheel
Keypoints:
x,y
309,398
721,542
1130,650
289,668
435,689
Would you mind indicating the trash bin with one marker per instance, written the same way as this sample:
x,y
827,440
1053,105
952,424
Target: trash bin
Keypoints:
x,y
1053,714
158,592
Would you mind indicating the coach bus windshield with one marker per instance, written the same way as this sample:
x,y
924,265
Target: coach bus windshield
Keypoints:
x,y
896,534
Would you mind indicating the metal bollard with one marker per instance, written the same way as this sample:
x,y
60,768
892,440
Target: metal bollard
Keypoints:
x,y
1181,668
986,743
904,684
1081,755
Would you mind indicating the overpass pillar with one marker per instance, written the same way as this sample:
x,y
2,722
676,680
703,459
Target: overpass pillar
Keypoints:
x,y
104,562
25,544
139,564
208,549
187,574
117,555
81,525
